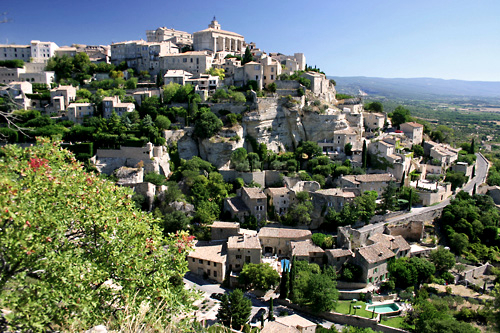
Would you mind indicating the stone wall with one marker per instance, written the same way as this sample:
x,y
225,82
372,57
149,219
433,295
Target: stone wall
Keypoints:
x,y
148,190
411,230
287,84
236,108
258,177
478,271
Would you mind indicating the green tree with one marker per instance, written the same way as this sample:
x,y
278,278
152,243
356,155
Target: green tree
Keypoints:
x,y
322,292
375,107
74,248
207,125
234,310
457,179
162,123
364,156
247,57
83,94
389,198
131,83
443,259
261,276
366,205
284,284
399,116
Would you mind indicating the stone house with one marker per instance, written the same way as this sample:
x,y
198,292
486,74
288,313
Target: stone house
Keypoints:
x,y
373,261
444,153
308,251
374,120
224,230
414,131
250,201
335,198
255,199
195,62
208,260
337,257
204,82
371,182
176,76
277,241
279,197
243,249
253,72
61,96
396,244
110,104
76,112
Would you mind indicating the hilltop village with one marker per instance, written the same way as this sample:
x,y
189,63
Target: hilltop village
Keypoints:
x,y
253,152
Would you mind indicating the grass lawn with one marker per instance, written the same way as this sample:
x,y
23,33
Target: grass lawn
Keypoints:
x,y
343,307
393,322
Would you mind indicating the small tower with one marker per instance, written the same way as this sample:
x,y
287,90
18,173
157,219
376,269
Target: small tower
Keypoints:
x,y
214,24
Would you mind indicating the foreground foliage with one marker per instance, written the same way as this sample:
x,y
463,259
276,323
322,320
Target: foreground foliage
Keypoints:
x,y
74,249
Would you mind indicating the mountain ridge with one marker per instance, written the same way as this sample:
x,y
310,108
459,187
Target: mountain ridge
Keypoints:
x,y
416,88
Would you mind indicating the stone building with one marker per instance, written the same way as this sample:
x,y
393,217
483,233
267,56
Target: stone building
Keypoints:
x,y
337,257
61,97
374,120
277,241
215,40
373,261
164,34
208,260
256,201
371,182
110,104
15,52
76,112
195,62
414,131
308,251
224,230
397,244
279,197
176,76
243,249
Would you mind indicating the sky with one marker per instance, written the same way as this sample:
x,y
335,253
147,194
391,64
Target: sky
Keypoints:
x,y
448,39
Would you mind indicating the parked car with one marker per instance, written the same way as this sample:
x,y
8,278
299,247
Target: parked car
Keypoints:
x,y
258,315
217,296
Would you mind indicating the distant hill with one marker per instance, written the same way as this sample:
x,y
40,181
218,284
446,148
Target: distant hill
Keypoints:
x,y
417,88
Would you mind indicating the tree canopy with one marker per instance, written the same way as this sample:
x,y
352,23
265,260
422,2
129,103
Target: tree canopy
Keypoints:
x,y
235,309
261,276
74,249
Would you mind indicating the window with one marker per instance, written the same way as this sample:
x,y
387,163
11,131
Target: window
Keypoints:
x,y
238,256
272,71
256,78
215,264
215,273
272,77
200,261
208,272
256,67
208,263
191,59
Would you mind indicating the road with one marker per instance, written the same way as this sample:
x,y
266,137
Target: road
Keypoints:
x,y
482,167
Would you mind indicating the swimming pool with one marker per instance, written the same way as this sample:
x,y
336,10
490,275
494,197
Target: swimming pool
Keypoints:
x,y
285,265
384,308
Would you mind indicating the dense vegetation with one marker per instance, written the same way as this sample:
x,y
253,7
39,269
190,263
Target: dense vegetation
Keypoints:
x,y
75,250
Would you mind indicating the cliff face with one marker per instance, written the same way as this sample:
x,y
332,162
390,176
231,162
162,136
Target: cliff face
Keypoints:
x,y
218,149
280,122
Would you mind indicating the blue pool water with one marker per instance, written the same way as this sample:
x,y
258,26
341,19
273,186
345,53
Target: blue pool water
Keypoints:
x,y
385,308
285,265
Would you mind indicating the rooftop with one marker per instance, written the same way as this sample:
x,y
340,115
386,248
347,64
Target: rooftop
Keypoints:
x,y
243,242
391,242
337,253
220,31
209,251
254,192
236,204
377,177
277,327
413,124
223,225
296,321
336,192
278,190
304,248
375,253
284,233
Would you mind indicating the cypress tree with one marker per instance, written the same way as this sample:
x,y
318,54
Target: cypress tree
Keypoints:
x,y
472,149
284,285
293,272
474,190
410,201
403,179
363,156
270,317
